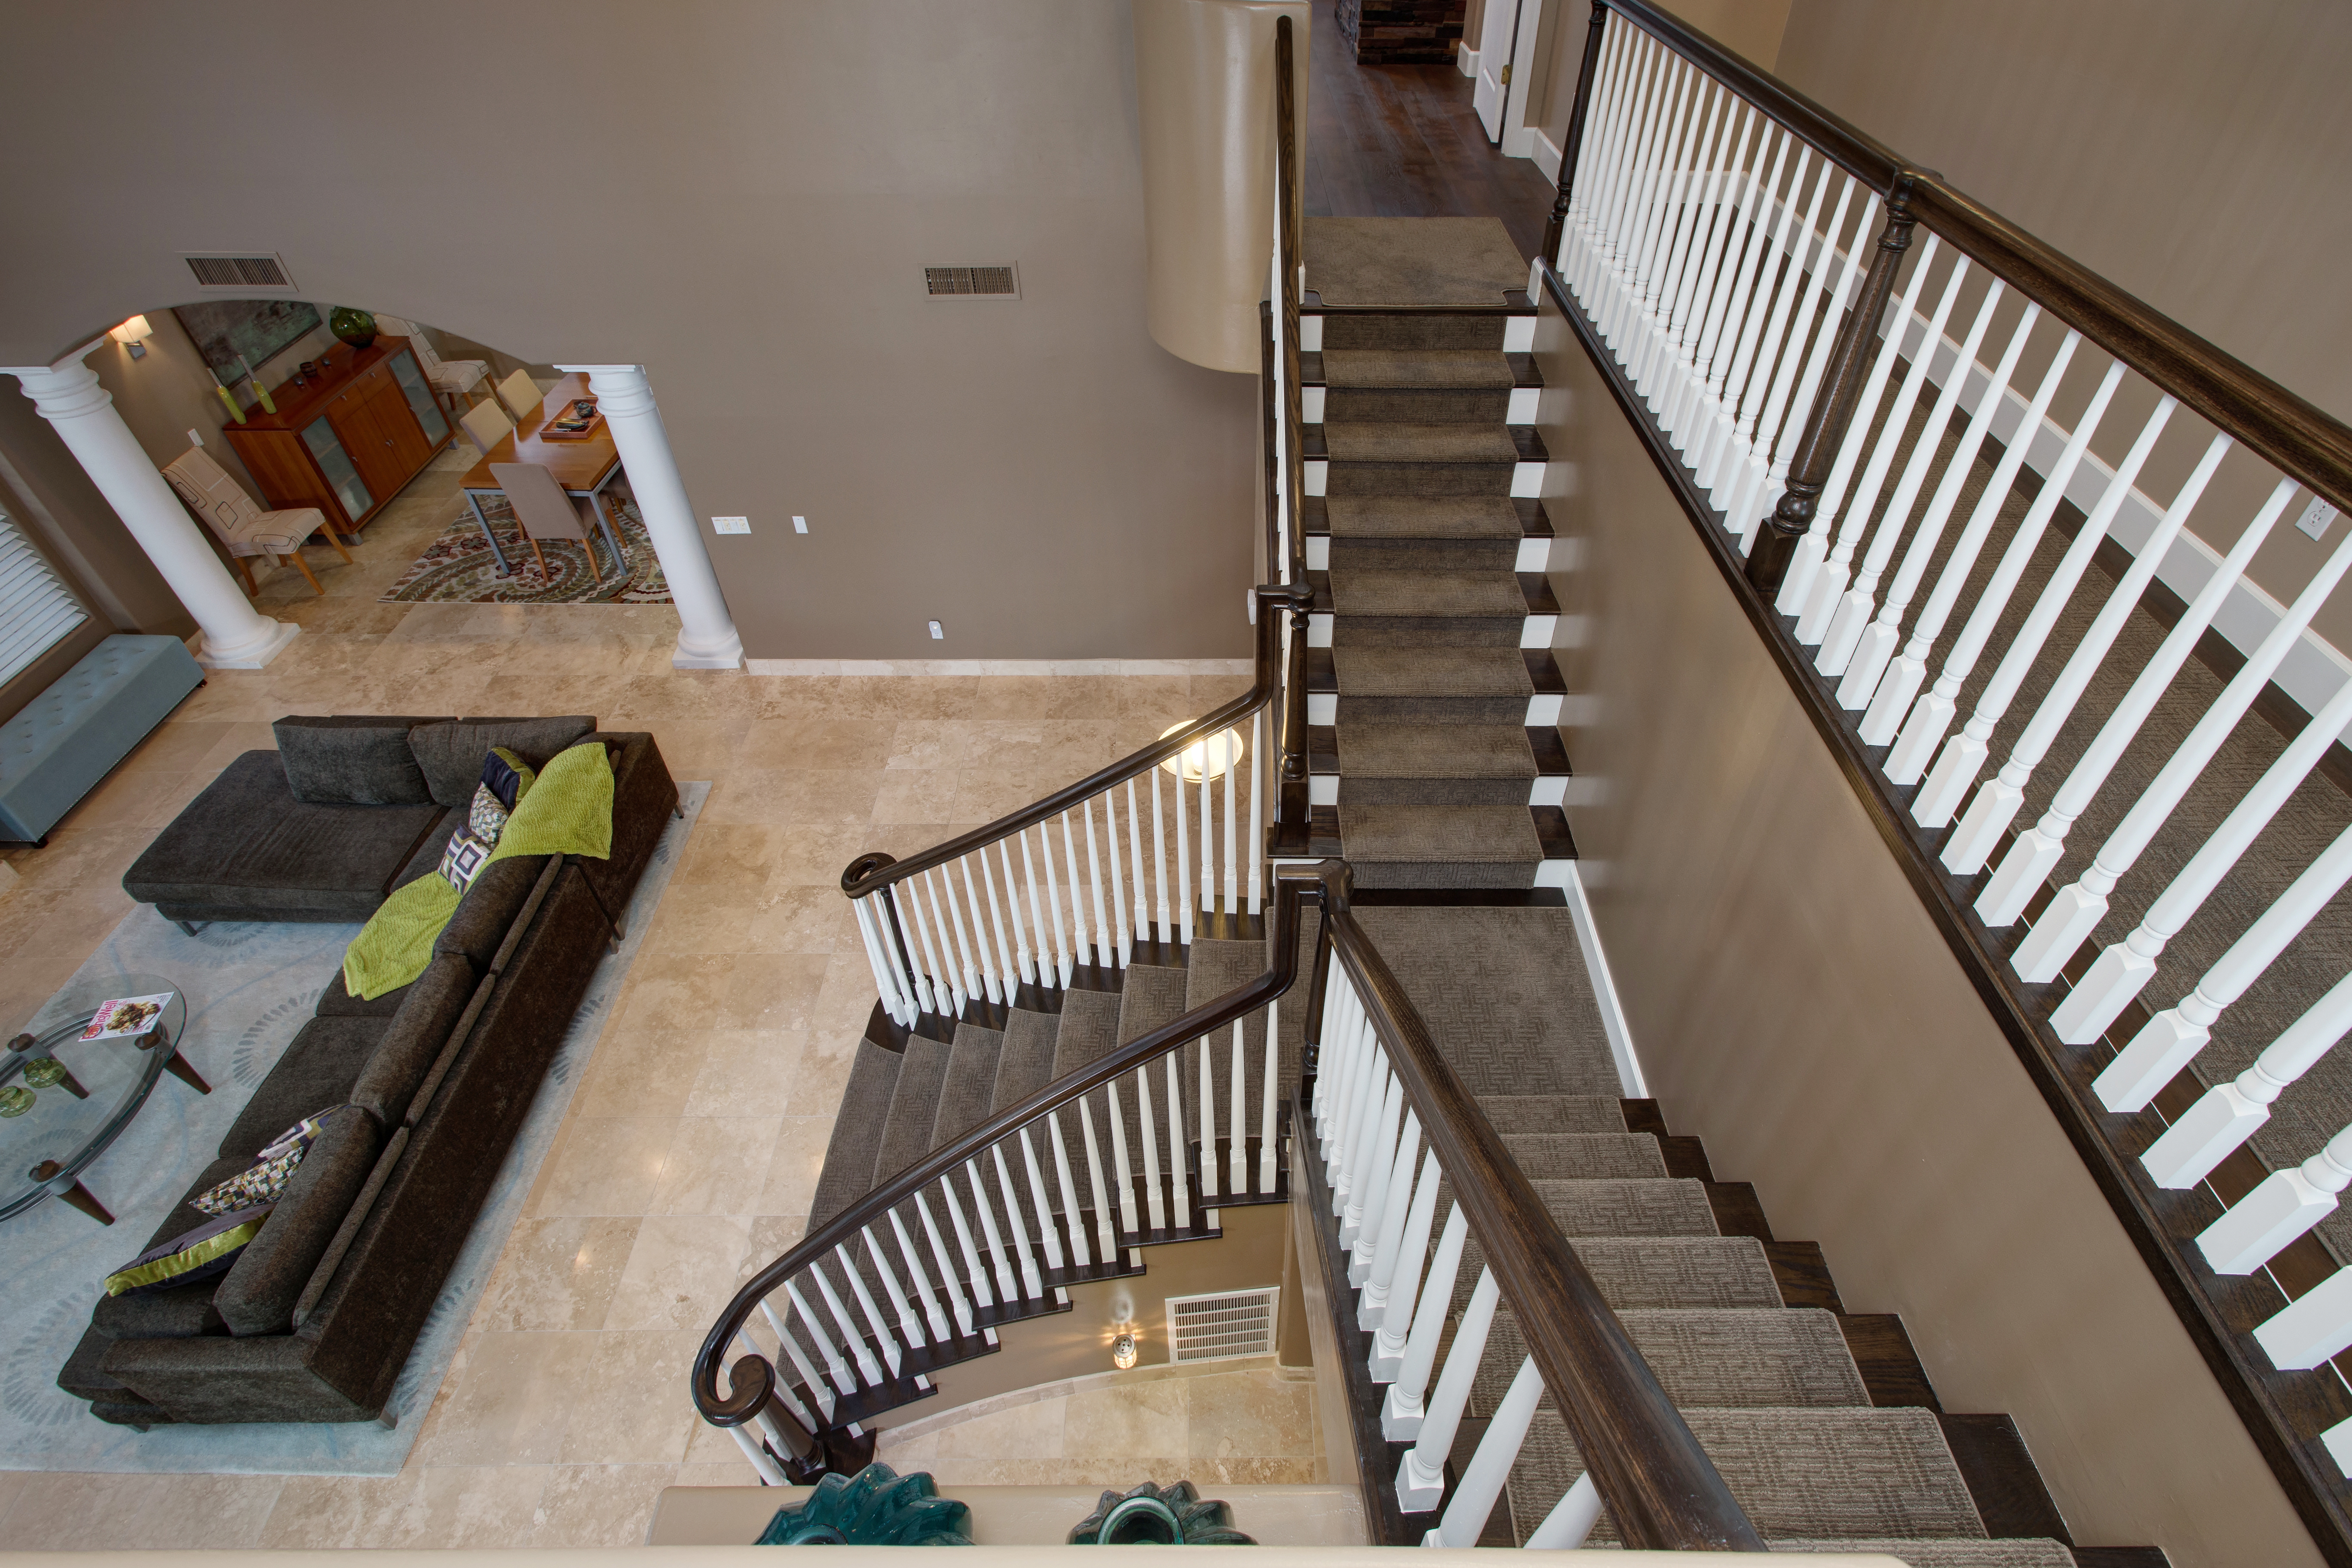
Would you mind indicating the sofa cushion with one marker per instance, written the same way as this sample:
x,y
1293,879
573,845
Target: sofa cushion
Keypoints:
x,y
258,1295
178,1314
488,909
436,999
426,861
317,1070
451,752
337,1002
351,760
265,1180
246,842
204,1253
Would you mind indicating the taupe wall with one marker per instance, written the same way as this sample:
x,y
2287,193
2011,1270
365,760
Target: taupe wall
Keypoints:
x,y
739,195
1750,27
1791,1003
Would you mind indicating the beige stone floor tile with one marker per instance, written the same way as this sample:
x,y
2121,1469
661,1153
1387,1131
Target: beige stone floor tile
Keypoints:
x,y
630,1405
601,1505
1035,1430
773,1236
823,1075
697,749
726,991
728,857
722,918
507,1399
177,745
748,1072
1133,1418
804,918
643,1066
680,1271
606,1165
814,854
64,1511
325,1513
718,1165
480,1507
1250,1413
847,998
95,858
557,1273
915,795
12,1487
718,1473
793,1169
834,744
236,739
815,796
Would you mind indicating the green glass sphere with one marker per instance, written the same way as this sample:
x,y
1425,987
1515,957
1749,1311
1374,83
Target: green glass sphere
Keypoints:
x,y
14,1101
356,327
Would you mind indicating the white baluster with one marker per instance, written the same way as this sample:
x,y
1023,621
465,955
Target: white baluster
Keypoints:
x,y
890,981
2283,1206
1259,765
2036,852
1339,1061
1963,756
2315,1328
1923,731
1208,839
1572,1519
1128,1218
1013,907
1704,273
1008,1286
1000,954
939,957
1421,1474
1183,864
1712,302
1723,379
1033,1281
1360,1228
771,1474
1761,344
1657,369
1848,638
1106,1225
1237,1117
1069,954
1106,952
1662,222
1997,803
911,1327
1160,860
891,1349
2230,1113
837,1379
1386,1232
2125,967
1767,478
1829,583
1048,1237
933,1315
1179,1188
1118,887
1643,66
977,981
1867,683
1490,1463
2170,1040
1225,760
1134,861
1363,1104
959,976
1206,1095
1402,1410
1078,900
1603,124
1081,1252
1148,1134
2079,906
1633,222
1269,1094
861,1354
903,905
1404,1283
975,1271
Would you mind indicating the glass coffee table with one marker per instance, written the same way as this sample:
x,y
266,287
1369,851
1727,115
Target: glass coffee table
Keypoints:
x,y
64,1098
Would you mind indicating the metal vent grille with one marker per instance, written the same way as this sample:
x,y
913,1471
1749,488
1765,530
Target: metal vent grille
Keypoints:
x,y
1220,1327
223,272
985,282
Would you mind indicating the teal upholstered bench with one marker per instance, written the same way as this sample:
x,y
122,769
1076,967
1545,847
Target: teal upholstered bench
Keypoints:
x,y
90,719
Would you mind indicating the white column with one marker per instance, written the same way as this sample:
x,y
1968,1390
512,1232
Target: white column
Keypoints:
x,y
236,636
706,633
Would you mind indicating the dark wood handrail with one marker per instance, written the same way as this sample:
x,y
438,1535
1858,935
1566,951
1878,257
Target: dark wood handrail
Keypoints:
x,y
1292,833
1660,1486
871,873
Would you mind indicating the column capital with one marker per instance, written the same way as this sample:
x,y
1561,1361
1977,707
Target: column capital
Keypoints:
x,y
621,389
66,390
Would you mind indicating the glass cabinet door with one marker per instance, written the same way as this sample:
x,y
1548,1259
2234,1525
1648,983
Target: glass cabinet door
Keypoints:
x,y
420,400
336,465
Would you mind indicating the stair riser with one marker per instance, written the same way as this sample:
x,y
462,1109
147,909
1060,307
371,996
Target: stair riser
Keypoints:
x,y
1419,406
1325,476
1512,335
1429,631
1331,789
1331,707
1421,554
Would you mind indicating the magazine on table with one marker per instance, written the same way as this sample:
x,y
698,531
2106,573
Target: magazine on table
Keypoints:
x,y
126,1015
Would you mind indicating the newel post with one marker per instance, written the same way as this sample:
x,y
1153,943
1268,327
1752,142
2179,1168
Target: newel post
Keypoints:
x,y
1557,226
1825,428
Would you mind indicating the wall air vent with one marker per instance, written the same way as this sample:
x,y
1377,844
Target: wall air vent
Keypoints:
x,y
1218,1328
972,282
221,269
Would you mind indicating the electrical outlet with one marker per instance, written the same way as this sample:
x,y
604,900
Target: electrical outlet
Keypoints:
x,y
936,634
2316,518
195,438
731,525
800,525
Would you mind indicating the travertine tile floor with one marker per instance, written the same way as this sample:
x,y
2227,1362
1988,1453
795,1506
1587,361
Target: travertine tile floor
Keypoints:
x,y
692,1146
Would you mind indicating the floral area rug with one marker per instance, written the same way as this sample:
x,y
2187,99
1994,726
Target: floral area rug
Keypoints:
x,y
249,987
458,568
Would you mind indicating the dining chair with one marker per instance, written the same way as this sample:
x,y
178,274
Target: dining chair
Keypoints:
x,y
543,510
486,425
522,396
244,529
449,377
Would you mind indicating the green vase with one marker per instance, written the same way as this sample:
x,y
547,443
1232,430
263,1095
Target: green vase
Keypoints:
x,y
356,327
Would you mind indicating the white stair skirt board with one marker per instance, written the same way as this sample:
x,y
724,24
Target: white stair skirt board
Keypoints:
x,y
1323,708
1550,789
1310,404
1536,631
1543,708
1310,333
1523,406
1319,552
1027,667
1318,631
1519,334
1554,873
1604,989
1535,556
1527,481
1318,474
1323,789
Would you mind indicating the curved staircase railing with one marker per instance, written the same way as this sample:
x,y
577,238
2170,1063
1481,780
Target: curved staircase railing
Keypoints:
x,y
1385,1089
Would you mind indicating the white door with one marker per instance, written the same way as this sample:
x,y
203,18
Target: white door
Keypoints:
x,y
1496,35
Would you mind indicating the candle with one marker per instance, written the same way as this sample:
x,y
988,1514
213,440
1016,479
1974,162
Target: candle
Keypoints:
x,y
259,391
234,412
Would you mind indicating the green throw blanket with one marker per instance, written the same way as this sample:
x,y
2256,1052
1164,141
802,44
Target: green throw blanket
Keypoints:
x,y
568,811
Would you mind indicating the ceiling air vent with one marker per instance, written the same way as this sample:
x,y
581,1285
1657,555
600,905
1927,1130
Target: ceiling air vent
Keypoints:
x,y
220,270
972,282
1220,1327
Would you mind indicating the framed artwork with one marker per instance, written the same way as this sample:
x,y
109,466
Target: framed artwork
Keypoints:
x,y
255,329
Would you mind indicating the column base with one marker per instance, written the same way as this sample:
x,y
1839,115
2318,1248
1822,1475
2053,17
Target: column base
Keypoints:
x,y
727,656
252,656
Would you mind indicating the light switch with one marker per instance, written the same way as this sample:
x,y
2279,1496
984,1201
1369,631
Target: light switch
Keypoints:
x,y
936,634
730,525
195,438
800,525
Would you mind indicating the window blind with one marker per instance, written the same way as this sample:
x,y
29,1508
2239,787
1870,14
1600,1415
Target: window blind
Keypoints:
x,y
37,610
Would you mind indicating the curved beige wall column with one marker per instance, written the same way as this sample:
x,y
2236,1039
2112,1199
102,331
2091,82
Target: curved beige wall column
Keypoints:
x,y
1204,88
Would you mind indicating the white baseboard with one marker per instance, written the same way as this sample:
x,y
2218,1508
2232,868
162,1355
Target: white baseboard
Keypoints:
x,y
1546,157
1466,59
943,667
1604,989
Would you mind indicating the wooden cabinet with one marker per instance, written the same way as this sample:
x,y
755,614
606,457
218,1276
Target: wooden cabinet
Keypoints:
x,y
348,440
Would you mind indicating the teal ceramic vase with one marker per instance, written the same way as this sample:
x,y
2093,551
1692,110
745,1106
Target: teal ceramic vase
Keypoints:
x,y
1150,1516
356,327
877,1506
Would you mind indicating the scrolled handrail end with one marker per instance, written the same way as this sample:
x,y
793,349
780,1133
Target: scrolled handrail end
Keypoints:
x,y
750,1382
854,875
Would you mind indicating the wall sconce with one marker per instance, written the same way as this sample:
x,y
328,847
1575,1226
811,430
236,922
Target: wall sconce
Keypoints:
x,y
1211,755
1122,1350
132,334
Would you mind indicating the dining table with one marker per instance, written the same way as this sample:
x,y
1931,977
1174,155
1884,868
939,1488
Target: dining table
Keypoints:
x,y
585,467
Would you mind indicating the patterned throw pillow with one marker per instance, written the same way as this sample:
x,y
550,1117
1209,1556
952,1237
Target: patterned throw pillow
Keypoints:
x,y
506,779
210,1249
261,1183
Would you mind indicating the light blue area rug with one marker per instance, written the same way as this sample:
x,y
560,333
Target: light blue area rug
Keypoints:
x,y
250,987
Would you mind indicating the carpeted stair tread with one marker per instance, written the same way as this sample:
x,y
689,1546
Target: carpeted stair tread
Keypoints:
x,y
1422,517
1216,968
1706,1359
1460,835
1347,441
1827,1475
1585,1156
1719,1271
856,1142
1436,752
1416,368
1025,1062
970,1081
1090,1026
1627,1207
1411,260
2009,1553
1432,671
1509,1113
914,1106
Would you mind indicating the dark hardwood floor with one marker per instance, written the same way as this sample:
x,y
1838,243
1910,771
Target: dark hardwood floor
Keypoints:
x,y
1404,142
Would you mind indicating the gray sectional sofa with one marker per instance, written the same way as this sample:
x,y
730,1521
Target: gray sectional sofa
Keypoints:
x,y
318,1315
